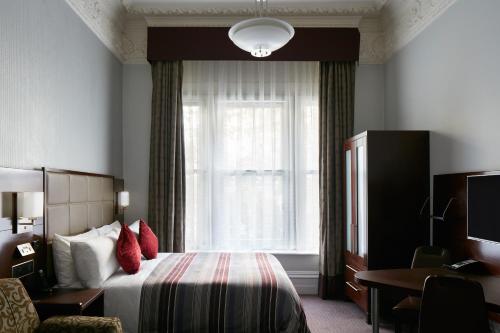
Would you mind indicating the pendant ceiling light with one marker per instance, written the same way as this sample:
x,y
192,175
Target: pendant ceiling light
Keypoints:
x,y
261,35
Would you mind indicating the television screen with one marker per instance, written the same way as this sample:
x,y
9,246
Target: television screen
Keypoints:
x,y
483,207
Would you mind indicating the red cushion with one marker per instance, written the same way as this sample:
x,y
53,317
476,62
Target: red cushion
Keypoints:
x,y
128,251
147,241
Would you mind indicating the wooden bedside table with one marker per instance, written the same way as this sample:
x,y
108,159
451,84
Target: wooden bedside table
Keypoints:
x,y
69,302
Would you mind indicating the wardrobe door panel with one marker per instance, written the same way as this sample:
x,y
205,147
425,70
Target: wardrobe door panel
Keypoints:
x,y
348,201
361,198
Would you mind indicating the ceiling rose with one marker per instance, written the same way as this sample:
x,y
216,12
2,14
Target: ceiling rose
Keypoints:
x,y
261,36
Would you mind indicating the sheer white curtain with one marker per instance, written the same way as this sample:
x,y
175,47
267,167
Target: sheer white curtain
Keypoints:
x,y
251,139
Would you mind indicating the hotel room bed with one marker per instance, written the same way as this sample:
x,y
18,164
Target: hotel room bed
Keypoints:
x,y
188,292
206,292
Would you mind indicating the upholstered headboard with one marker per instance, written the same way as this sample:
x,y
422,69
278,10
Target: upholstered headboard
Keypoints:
x,y
77,202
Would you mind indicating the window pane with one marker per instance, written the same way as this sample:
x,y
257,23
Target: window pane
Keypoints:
x,y
251,136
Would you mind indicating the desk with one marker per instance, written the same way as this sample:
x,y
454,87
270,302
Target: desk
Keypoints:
x,y
412,281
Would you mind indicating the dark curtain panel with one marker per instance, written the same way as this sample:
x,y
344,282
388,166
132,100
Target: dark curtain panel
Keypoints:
x,y
167,187
336,120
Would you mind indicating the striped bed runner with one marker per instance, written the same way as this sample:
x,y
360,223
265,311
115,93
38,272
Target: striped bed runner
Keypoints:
x,y
220,292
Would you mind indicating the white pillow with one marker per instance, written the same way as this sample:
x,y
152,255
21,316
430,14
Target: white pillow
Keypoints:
x,y
135,227
63,261
105,229
95,260
114,234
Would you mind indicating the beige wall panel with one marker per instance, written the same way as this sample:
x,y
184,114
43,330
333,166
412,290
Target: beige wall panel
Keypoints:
x,y
95,188
95,215
58,189
59,220
78,218
107,189
79,188
107,212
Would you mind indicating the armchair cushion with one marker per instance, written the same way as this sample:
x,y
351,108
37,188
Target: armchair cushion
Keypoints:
x,y
81,324
17,312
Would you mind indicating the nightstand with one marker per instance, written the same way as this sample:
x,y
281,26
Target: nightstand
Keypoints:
x,y
69,302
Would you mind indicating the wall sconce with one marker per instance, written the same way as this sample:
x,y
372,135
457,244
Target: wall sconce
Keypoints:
x,y
29,208
123,199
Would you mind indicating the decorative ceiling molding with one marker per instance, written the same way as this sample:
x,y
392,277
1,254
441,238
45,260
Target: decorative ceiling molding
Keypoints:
x,y
249,12
341,8
385,25
371,48
227,21
135,41
403,20
105,18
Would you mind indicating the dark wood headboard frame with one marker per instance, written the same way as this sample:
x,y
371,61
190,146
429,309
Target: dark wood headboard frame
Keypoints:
x,y
452,232
20,180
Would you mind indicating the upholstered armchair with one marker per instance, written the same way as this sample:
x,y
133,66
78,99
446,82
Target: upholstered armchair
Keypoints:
x,y
18,315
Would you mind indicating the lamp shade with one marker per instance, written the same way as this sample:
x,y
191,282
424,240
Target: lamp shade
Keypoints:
x,y
123,199
30,204
261,36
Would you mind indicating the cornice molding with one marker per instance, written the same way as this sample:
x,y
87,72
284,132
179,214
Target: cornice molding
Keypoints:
x,y
371,48
135,41
227,21
404,20
105,18
348,8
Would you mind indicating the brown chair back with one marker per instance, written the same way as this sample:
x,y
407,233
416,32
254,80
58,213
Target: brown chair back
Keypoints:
x,y
430,256
17,313
453,304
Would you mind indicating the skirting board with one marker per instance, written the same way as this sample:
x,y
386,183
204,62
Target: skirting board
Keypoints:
x,y
305,282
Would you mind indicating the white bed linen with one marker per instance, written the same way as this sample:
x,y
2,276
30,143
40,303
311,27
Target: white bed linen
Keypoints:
x,y
122,293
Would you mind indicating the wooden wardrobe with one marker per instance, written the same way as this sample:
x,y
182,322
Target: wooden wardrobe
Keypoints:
x,y
386,183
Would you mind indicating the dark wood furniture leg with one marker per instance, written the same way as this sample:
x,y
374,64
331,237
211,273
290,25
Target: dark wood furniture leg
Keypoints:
x,y
375,310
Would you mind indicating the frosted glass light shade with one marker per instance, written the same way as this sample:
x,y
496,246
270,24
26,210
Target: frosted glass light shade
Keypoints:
x,y
123,199
30,204
261,36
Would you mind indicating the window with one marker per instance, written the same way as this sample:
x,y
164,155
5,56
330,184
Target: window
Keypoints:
x,y
251,138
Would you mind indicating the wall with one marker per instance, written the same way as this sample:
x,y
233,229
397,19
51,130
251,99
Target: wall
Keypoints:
x,y
137,90
369,98
446,80
60,91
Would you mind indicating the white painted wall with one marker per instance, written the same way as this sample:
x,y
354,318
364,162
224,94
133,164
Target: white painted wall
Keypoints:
x,y
60,91
447,80
137,90
369,98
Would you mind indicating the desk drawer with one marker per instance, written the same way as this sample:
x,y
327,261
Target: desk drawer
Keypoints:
x,y
350,271
357,293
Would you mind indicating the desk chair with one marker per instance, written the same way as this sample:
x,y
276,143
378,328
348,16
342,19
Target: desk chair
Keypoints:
x,y
453,304
406,311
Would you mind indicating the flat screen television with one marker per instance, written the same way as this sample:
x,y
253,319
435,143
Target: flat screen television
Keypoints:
x,y
483,207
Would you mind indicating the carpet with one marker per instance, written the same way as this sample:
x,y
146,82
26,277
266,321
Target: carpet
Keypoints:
x,y
327,316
